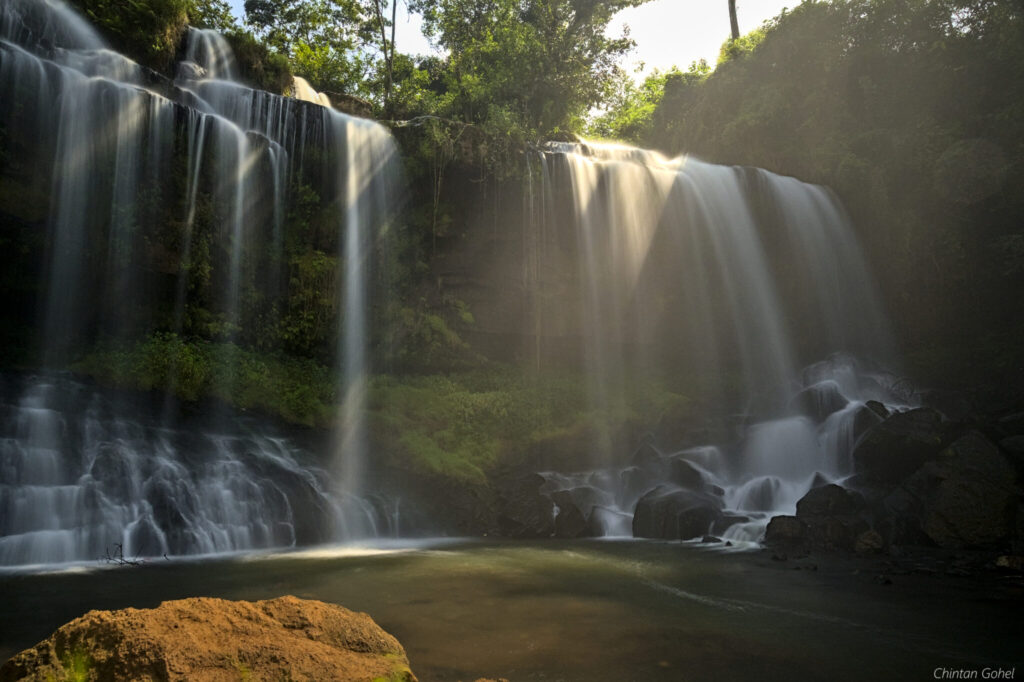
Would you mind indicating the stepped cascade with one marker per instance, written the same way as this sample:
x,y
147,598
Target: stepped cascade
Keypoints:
x,y
732,278
118,149
168,201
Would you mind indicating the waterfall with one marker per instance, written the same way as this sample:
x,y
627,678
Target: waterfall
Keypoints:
x,y
730,279
109,141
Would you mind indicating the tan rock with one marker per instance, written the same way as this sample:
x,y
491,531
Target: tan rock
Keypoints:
x,y
214,639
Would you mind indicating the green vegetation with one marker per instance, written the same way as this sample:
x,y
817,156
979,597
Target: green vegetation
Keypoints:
x,y
76,664
458,424
464,424
297,389
148,30
911,110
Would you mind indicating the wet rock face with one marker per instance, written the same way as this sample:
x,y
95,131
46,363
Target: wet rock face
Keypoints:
x,y
215,639
965,497
675,514
785,531
894,449
827,518
819,400
526,512
829,500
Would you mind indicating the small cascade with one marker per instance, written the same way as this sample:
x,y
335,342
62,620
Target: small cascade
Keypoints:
x,y
301,89
85,472
724,278
118,149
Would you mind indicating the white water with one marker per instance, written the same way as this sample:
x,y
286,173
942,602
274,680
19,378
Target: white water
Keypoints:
x,y
689,252
92,109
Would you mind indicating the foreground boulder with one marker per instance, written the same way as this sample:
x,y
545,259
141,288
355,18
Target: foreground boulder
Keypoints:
x,y
216,639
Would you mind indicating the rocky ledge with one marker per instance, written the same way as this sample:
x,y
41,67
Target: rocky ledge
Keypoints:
x,y
216,639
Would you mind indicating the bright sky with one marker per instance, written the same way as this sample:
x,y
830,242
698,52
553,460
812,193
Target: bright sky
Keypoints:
x,y
666,32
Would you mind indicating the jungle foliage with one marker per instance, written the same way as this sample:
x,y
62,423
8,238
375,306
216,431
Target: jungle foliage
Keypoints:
x,y
912,110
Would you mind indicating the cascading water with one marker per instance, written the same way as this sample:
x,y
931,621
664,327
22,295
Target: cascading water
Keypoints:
x,y
103,134
724,277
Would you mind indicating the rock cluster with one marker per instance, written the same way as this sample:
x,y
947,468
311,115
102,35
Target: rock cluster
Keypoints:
x,y
922,481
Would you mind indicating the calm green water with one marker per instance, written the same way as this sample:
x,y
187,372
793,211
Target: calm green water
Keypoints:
x,y
588,610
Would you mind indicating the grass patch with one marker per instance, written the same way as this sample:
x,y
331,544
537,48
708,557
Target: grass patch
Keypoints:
x,y
297,389
463,425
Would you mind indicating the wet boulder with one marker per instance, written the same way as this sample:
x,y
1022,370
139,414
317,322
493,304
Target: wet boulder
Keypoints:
x,y
829,500
869,542
672,513
894,449
570,521
524,511
727,520
966,497
832,518
685,475
785,531
648,458
819,400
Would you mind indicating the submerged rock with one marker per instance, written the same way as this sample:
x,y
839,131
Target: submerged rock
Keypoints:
x,y
829,500
216,639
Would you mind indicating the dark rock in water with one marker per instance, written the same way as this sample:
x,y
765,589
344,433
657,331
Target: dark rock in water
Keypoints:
x,y
787,531
867,417
1010,562
878,409
830,519
896,448
1013,424
708,539
674,514
829,500
819,401
831,533
648,457
526,512
569,521
636,481
685,475
1014,448
967,496
954,405
727,520
759,495
869,542
585,498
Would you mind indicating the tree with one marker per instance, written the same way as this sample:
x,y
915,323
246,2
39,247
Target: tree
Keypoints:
x,y
325,39
537,64
733,21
